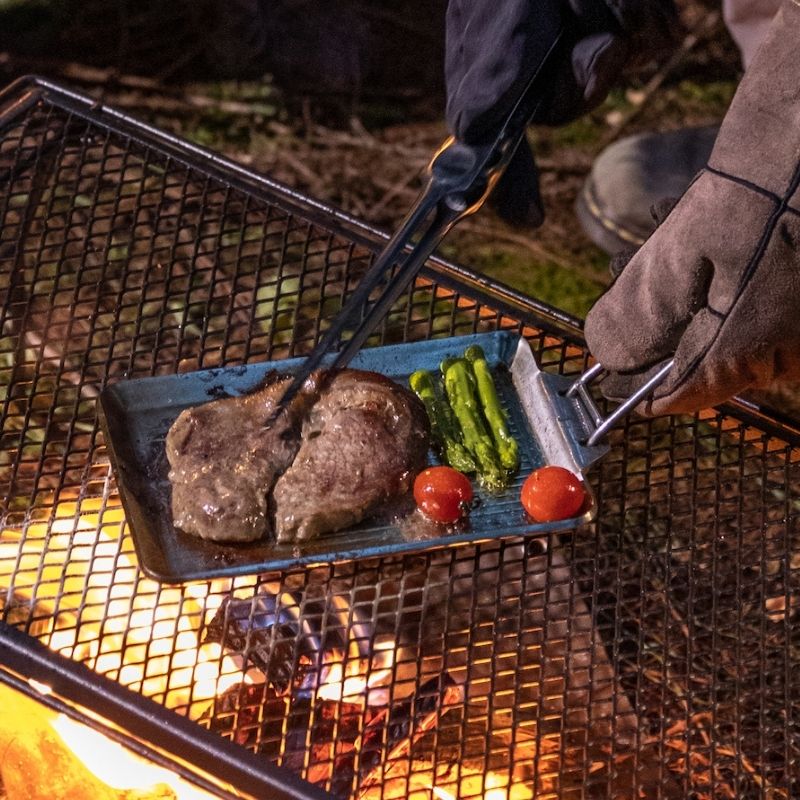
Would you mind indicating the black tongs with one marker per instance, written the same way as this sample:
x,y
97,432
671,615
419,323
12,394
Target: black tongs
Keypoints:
x,y
460,178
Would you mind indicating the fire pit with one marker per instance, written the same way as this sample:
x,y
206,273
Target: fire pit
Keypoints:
x,y
652,653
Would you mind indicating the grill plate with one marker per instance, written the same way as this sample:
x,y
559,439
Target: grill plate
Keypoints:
x,y
137,414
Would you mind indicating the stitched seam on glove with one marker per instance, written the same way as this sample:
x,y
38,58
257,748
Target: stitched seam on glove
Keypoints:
x,y
753,187
769,230
745,183
781,207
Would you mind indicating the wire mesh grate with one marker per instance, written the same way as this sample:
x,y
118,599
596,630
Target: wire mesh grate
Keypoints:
x,y
653,653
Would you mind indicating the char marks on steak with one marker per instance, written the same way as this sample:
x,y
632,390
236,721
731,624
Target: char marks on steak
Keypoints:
x,y
224,461
363,442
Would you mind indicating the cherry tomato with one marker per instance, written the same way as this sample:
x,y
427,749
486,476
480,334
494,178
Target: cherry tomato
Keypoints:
x,y
552,493
442,493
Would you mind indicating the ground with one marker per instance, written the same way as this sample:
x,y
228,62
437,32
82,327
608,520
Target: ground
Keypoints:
x,y
365,151
370,161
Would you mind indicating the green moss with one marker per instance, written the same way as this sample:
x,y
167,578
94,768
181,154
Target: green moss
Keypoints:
x,y
580,133
543,280
617,100
714,96
219,131
594,260
585,132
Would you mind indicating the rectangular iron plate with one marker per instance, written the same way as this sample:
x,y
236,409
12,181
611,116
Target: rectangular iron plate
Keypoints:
x,y
135,416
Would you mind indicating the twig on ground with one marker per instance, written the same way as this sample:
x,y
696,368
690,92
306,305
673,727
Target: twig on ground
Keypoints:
x,y
486,230
578,167
191,104
707,25
327,137
144,92
314,182
397,189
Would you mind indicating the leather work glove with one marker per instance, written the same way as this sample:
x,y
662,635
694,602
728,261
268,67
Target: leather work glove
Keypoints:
x,y
718,283
493,48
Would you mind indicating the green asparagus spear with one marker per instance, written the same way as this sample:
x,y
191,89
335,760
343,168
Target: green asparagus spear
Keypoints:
x,y
459,384
444,428
506,445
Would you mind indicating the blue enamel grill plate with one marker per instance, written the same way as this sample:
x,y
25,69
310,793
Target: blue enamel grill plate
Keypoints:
x,y
136,415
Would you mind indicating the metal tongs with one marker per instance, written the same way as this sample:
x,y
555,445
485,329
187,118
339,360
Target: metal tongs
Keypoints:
x,y
460,179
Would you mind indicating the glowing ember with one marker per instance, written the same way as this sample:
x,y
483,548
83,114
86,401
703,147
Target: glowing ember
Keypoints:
x,y
364,678
491,786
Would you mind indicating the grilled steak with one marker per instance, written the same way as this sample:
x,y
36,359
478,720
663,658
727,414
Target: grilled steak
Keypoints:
x,y
223,462
363,443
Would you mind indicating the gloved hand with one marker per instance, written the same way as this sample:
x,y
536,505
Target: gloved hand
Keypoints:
x,y
493,48
718,283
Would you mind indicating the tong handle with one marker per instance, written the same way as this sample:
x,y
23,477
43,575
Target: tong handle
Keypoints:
x,y
460,178
445,218
580,389
446,214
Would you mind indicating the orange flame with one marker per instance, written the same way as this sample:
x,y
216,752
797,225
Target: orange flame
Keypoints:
x,y
79,571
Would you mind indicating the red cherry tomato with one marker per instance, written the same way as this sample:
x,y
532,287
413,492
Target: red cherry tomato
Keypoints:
x,y
552,493
442,493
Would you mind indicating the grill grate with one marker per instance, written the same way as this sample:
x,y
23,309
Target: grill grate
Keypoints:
x,y
653,653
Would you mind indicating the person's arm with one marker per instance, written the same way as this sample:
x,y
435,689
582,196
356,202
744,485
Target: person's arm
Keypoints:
x,y
494,46
717,285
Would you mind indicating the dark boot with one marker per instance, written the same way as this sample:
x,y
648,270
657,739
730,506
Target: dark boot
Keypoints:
x,y
632,175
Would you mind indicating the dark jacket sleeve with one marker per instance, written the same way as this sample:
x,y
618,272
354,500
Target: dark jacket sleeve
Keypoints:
x,y
494,47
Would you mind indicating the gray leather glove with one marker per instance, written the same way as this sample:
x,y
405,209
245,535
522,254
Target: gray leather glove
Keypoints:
x,y
717,285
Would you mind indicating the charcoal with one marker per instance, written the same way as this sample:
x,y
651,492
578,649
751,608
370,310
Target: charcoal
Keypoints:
x,y
257,633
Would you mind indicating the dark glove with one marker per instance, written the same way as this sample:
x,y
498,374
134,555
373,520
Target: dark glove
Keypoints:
x,y
494,47
718,283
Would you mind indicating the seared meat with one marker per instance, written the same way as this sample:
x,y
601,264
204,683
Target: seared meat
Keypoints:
x,y
363,443
223,462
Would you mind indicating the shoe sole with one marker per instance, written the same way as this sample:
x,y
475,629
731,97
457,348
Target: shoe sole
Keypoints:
x,y
603,231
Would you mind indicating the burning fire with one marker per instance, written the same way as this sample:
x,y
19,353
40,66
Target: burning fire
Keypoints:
x,y
116,766
48,756
80,573
491,787
471,785
77,573
352,680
